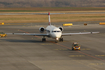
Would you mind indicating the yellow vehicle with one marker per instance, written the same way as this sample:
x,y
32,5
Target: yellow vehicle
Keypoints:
x,y
75,46
2,34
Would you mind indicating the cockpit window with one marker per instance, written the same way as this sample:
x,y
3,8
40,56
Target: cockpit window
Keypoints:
x,y
55,31
58,31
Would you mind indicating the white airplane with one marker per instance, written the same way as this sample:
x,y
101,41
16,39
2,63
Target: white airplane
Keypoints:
x,y
52,32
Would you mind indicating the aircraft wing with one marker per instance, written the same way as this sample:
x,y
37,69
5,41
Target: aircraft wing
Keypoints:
x,y
65,34
33,34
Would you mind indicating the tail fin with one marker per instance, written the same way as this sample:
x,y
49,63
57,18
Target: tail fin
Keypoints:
x,y
49,18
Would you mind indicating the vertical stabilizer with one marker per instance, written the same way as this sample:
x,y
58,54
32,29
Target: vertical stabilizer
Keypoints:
x,y
49,18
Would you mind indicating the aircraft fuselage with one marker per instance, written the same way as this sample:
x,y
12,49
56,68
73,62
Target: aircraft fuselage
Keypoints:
x,y
54,32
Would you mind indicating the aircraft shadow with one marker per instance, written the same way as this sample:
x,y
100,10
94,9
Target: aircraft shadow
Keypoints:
x,y
27,41
31,41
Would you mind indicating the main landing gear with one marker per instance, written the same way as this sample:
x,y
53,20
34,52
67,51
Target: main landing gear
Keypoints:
x,y
43,39
61,39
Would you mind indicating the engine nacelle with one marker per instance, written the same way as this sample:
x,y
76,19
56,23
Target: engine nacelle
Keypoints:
x,y
41,29
61,28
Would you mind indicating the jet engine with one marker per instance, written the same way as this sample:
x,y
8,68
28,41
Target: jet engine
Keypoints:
x,y
41,29
61,28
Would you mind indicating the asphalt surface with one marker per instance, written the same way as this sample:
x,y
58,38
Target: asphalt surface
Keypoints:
x,y
30,53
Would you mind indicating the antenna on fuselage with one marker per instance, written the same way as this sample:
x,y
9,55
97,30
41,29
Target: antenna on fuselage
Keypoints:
x,y
49,18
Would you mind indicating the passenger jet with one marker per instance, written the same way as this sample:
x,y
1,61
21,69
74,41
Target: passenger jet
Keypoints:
x,y
52,32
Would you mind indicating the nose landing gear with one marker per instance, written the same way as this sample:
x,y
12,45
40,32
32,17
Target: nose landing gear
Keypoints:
x,y
58,39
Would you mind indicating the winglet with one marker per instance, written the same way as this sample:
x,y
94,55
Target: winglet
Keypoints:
x,y
49,18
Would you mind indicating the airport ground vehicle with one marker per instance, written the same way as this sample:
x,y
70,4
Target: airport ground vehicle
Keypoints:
x,y
2,34
75,46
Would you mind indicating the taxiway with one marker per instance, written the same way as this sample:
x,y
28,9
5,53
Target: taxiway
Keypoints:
x,y
30,53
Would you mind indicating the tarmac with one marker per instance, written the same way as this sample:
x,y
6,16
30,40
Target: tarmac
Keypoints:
x,y
19,52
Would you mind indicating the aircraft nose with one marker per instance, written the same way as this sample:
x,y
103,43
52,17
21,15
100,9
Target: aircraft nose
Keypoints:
x,y
58,35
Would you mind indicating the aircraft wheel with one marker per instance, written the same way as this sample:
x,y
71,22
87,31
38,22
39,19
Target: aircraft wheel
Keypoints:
x,y
72,48
61,39
43,39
